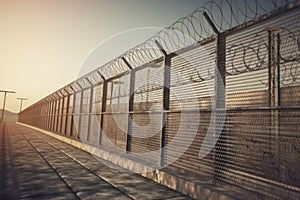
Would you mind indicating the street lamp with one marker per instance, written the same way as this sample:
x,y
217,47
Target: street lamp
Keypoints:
x,y
21,100
5,93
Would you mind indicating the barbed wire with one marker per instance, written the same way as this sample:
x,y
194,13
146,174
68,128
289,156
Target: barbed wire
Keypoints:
x,y
289,54
248,56
189,30
253,56
225,14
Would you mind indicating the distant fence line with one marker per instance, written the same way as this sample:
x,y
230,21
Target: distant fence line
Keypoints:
x,y
224,81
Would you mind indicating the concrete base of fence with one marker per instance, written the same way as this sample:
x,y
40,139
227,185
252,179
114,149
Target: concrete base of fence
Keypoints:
x,y
186,185
191,187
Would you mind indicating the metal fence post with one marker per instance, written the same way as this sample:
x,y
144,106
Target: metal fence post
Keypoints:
x,y
130,105
274,95
48,114
103,107
53,113
80,112
220,102
90,108
166,101
62,111
220,95
40,115
278,102
67,112
274,67
44,108
57,113
73,113
57,120
61,104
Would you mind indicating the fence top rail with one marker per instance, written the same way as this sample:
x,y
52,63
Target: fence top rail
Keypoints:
x,y
197,110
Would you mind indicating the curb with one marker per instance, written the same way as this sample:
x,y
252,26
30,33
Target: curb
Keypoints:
x,y
191,188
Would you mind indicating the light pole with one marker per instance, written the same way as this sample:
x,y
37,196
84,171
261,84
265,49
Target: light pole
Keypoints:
x,y
21,100
5,93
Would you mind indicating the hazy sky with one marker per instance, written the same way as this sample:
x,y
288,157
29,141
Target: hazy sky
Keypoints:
x,y
44,42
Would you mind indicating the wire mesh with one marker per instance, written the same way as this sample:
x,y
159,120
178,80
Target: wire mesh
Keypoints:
x,y
257,150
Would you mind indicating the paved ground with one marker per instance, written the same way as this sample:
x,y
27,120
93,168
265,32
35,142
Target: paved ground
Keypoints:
x,y
36,166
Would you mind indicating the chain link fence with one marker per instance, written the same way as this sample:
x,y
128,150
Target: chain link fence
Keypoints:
x,y
216,95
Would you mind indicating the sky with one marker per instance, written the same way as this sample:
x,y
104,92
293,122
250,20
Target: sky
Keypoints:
x,y
43,43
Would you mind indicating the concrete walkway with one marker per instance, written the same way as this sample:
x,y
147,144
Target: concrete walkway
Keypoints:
x,y
37,166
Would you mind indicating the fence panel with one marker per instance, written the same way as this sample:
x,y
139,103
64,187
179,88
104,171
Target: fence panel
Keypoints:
x,y
251,145
147,112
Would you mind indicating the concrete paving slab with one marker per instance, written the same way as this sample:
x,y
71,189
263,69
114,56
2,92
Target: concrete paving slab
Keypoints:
x,y
37,166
